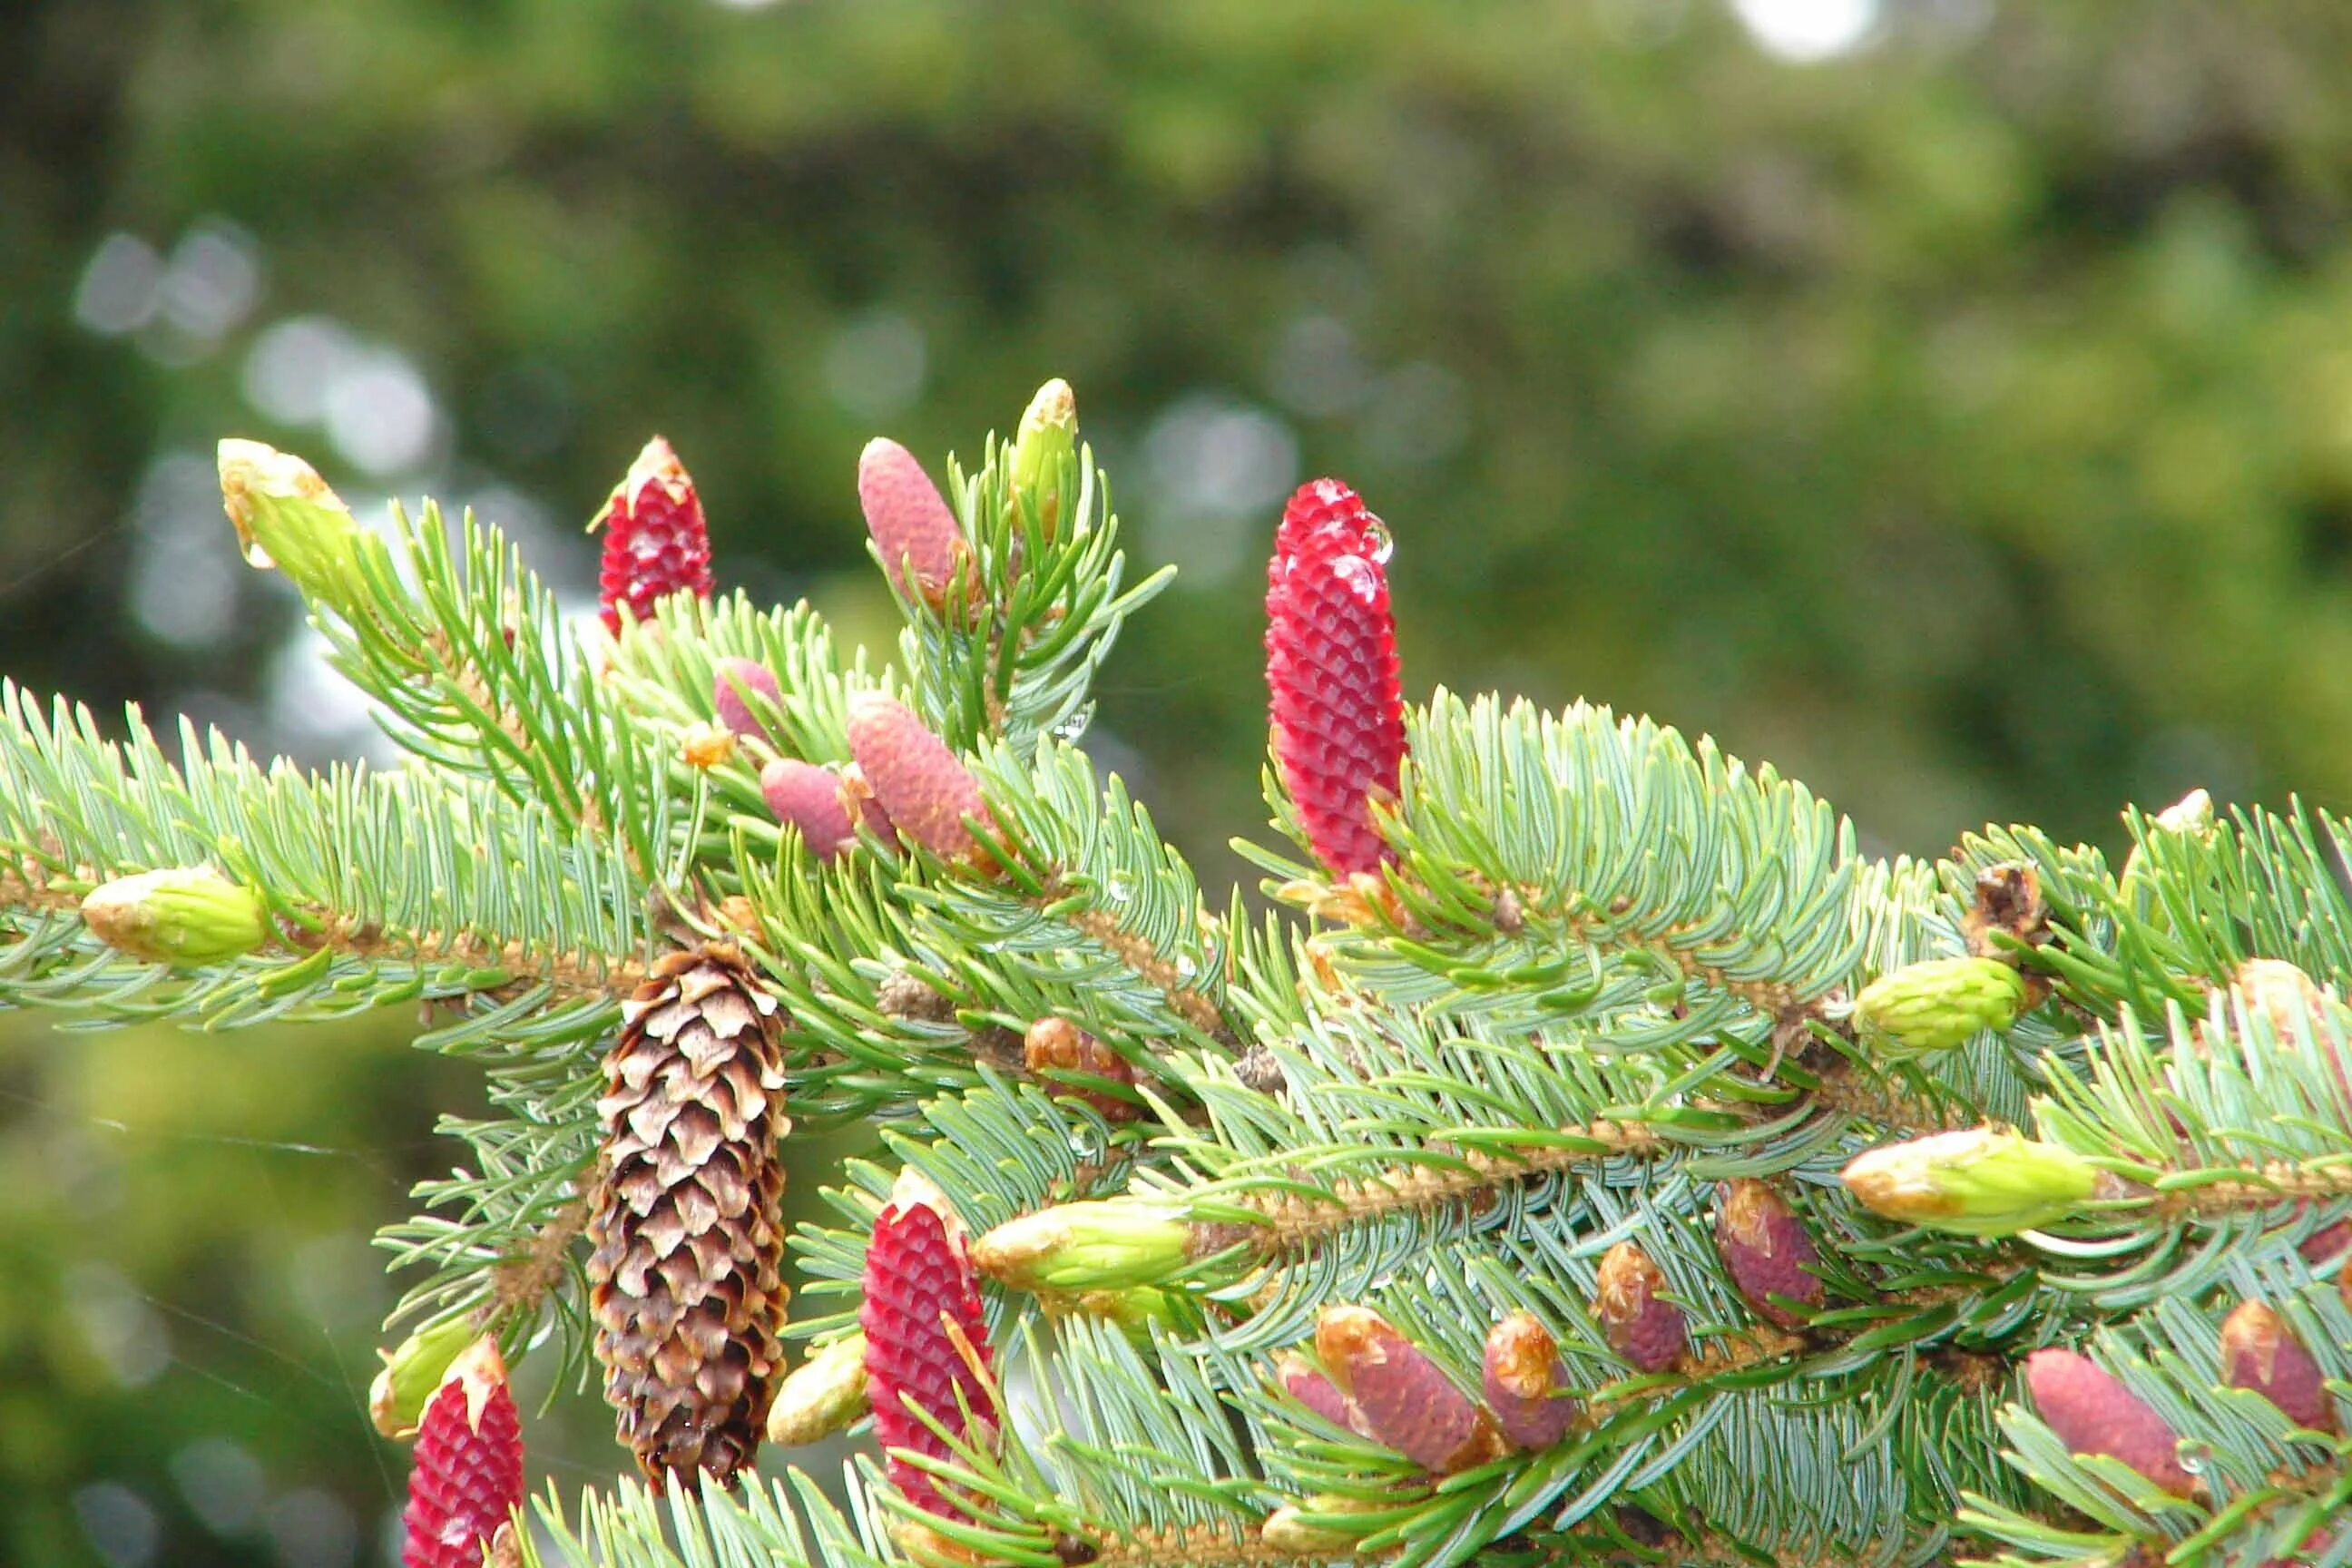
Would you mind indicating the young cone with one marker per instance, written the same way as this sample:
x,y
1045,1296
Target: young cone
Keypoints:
x,y
1522,1376
921,545
923,785
687,1246
1406,1403
1337,709
2259,1351
1303,1382
656,542
1055,1045
921,1314
1766,1250
2092,1413
809,798
465,1480
729,686
1642,1326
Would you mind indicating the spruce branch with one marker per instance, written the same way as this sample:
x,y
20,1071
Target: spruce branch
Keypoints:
x,y
380,887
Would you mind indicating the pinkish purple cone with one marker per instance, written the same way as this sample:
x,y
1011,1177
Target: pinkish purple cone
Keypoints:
x,y
920,543
1766,1250
921,784
1303,1383
1407,1404
1523,1377
2259,1351
733,678
1643,1327
808,797
2092,1413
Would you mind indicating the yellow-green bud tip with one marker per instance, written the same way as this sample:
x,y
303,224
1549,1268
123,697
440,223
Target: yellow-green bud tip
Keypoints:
x,y
1937,1005
1980,1182
2191,814
822,1398
182,915
1048,434
287,518
414,1373
1102,1245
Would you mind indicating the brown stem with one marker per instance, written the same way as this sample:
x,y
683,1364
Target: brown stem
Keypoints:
x,y
572,974
1202,1546
1294,1222
1190,1003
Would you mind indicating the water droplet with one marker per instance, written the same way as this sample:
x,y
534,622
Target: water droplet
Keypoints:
x,y
1360,577
1377,534
1119,889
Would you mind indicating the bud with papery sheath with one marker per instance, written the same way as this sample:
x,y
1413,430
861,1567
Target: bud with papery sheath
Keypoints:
x,y
1097,1244
922,1318
921,544
465,1479
824,1395
1304,1382
412,1374
1978,1182
1048,434
809,798
923,785
1407,1404
730,683
1523,1379
182,915
1056,1047
1937,1005
2259,1351
285,517
2093,1413
1766,1250
655,540
1336,706
1629,1298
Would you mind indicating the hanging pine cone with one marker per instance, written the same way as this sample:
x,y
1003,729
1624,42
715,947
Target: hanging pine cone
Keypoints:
x,y
684,1273
1331,672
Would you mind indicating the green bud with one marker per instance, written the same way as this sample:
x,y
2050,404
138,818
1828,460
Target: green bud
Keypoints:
x,y
286,519
1101,1244
2190,816
822,1398
1285,1529
186,915
1937,1005
413,1373
1980,1182
1049,432
1133,1310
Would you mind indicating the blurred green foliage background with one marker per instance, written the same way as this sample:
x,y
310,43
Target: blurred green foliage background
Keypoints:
x,y
1950,401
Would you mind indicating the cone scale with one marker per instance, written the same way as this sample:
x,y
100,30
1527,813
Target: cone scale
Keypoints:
x,y
686,1242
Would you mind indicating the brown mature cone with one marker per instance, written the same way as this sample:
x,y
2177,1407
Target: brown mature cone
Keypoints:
x,y
686,1244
